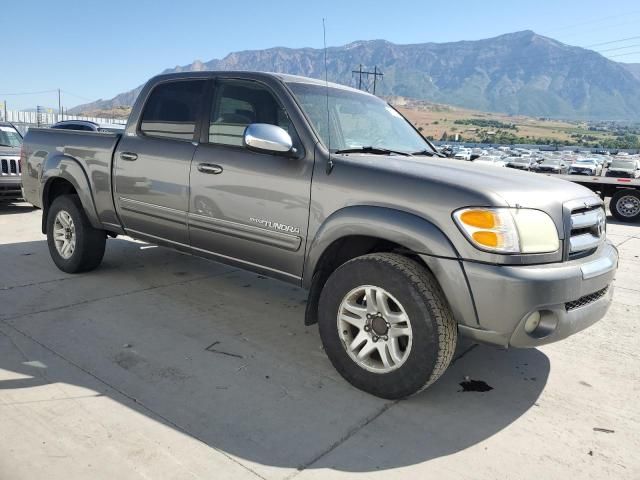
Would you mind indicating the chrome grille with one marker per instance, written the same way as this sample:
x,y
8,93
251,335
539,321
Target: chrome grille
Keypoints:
x,y
9,167
586,300
588,230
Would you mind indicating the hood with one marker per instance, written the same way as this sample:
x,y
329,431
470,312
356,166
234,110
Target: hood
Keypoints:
x,y
9,151
471,184
624,170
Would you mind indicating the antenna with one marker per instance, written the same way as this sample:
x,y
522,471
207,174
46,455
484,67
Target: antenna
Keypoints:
x,y
326,82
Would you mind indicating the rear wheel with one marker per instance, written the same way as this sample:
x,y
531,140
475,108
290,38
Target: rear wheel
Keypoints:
x,y
625,205
386,326
74,245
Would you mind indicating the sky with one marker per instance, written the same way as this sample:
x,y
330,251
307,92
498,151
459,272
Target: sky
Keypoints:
x,y
97,49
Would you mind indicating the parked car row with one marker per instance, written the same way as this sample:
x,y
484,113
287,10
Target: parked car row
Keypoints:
x,y
622,165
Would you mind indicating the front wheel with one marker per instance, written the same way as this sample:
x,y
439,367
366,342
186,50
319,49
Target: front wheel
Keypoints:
x,y
386,326
625,205
74,245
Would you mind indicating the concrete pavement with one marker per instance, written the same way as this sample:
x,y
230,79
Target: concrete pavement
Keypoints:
x,y
162,365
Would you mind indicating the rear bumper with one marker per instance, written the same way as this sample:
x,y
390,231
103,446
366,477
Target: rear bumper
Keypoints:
x,y
10,187
571,296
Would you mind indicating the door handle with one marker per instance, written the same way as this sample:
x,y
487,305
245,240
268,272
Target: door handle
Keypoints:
x,y
209,168
128,156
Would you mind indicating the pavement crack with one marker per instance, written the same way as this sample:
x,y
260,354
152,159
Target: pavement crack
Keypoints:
x,y
140,404
51,400
350,433
34,284
15,345
464,353
627,288
123,294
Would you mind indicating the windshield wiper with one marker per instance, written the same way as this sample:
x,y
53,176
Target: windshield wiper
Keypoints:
x,y
373,150
8,145
426,152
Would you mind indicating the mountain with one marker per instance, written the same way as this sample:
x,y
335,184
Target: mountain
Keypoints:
x,y
634,68
516,73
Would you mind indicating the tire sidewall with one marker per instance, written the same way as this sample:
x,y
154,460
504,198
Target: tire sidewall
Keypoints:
x,y
69,205
613,206
416,371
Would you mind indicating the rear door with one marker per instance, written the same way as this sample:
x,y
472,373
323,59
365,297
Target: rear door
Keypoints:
x,y
151,166
246,207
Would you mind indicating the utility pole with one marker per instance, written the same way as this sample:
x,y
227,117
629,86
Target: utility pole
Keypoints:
x,y
59,104
5,111
375,77
376,73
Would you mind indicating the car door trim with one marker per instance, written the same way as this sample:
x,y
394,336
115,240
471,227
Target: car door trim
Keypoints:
x,y
246,232
152,210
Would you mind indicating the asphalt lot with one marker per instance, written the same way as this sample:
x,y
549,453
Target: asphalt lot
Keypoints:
x,y
162,365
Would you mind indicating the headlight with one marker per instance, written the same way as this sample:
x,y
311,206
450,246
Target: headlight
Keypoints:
x,y
508,230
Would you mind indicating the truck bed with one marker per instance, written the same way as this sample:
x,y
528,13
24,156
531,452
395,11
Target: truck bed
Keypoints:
x,y
91,151
589,180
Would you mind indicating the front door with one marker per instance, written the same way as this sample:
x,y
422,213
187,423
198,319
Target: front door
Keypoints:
x,y
246,207
152,167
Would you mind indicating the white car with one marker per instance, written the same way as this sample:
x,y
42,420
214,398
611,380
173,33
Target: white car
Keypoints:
x,y
585,166
492,160
463,154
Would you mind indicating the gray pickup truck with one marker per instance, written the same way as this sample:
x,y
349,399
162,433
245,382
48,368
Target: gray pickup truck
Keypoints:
x,y
331,189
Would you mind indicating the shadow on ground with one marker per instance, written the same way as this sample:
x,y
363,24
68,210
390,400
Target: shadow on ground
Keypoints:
x,y
9,207
223,355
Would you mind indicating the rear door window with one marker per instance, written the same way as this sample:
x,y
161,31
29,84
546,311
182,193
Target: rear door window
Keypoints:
x,y
172,110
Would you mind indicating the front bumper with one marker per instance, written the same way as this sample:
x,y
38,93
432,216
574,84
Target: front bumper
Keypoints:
x,y
572,295
10,187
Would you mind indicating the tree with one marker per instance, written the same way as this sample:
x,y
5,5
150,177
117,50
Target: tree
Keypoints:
x,y
444,137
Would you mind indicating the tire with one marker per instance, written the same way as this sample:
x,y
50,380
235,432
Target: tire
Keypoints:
x,y
405,286
89,242
625,205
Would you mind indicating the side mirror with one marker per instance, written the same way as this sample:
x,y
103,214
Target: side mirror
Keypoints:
x,y
266,138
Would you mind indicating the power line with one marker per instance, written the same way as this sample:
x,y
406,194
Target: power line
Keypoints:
x,y
601,29
28,93
612,41
618,48
623,54
595,20
77,96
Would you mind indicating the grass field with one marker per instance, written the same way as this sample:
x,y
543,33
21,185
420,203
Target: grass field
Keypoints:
x,y
436,119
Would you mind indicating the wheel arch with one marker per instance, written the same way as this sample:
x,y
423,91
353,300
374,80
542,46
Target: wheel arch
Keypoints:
x,y
359,230
64,175
402,229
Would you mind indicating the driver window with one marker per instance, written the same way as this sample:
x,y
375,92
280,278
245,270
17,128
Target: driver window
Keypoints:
x,y
238,103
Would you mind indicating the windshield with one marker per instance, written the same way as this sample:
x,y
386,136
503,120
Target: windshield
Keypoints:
x,y
590,162
9,137
628,164
551,161
522,160
357,120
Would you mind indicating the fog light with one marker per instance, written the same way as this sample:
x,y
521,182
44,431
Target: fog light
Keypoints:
x,y
532,322
541,323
